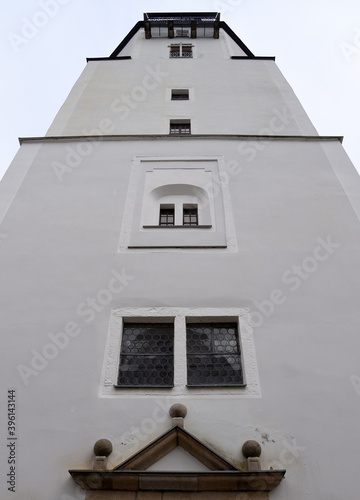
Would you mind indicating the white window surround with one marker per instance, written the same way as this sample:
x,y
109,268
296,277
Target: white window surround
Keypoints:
x,y
201,180
179,315
179,103
181,53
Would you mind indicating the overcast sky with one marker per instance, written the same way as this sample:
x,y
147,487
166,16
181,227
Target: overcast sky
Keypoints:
x,y
316,44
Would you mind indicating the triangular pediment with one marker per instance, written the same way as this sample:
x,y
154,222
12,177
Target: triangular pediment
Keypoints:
x,y
177,437
178,460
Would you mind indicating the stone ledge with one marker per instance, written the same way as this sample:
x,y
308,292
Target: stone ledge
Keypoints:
x,y
219,481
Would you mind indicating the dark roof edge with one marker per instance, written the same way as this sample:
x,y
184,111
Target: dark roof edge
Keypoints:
x,y
246,137
119,48
181,14
255,58
236,39
119,58
140,24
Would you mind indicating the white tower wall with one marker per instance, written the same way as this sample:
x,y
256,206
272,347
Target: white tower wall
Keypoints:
x,y
282,254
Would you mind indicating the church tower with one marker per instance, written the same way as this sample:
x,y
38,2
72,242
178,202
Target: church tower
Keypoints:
x,y
180,281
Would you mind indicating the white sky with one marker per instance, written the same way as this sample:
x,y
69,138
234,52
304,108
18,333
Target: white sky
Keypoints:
x,y
316,44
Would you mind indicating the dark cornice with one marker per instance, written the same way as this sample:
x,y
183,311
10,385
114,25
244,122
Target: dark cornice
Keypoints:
x,y
145,137
119,58
236,39
119,48
255,58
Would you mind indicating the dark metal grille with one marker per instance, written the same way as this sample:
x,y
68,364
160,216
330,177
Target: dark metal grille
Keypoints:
x,y
175,51
190,217
147,355
167,216
181,50
213,355
186,51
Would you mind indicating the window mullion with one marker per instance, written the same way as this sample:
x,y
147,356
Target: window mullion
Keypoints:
x,y
180,369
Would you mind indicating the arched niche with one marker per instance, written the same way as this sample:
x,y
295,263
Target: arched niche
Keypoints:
x,y
177,195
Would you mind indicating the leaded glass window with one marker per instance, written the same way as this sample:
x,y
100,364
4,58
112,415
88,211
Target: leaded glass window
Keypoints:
x,y
213,354
147,355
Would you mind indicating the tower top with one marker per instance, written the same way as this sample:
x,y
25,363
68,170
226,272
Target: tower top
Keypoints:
x,y
188,24
181,24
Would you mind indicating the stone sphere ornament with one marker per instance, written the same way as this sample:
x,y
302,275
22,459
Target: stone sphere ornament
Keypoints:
x,y
251,448
178,410
103,448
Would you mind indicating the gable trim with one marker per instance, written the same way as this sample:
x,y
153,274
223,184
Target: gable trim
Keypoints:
x,y
169,441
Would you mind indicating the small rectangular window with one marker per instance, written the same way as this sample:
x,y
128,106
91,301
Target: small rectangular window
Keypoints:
x,y
180,127
181,50
190,215
180,94
186,51
182,32
167,215
147,355
213,355
175,51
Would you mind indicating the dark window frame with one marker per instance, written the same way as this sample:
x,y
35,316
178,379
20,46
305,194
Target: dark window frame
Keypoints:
x,y
167,215
181,50
180,127
180,94
190,215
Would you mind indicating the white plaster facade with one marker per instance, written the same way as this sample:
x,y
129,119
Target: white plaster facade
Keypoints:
x,y
282,252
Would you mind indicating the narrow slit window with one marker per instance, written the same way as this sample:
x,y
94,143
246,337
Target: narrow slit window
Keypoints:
x,y
167,215
190,215
180,127
213,355
180,94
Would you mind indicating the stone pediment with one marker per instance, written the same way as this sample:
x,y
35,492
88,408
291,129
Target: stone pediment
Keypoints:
x,y
220,480
176,437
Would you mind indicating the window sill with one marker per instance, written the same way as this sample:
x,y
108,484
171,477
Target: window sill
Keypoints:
x,y
200,226
216,386
143,386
